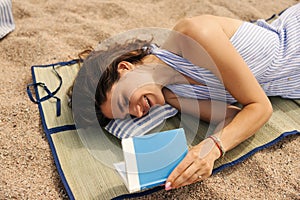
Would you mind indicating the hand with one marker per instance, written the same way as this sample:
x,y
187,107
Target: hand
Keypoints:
x,y
197,165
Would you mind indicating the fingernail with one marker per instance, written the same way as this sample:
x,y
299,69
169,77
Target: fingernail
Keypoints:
x,y
168,186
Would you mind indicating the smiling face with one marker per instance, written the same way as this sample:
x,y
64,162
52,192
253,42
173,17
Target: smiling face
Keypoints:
x,y
135,93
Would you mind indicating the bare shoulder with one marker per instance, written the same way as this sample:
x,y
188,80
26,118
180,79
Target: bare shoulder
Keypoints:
x,y
209,22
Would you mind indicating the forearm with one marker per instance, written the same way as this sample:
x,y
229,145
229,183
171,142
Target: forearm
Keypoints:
x,y
239,128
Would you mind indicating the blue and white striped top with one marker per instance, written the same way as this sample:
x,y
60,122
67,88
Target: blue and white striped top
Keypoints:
x,y
6,18
271,51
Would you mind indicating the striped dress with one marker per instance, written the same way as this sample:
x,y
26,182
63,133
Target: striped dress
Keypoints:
x,y
6,18
272,52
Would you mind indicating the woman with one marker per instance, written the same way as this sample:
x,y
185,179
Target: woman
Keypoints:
x,y
251,61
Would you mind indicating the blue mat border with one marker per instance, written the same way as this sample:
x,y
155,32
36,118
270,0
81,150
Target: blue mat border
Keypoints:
x,y
253,151
48,133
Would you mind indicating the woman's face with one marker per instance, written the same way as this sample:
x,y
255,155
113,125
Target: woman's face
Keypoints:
x,y
135,92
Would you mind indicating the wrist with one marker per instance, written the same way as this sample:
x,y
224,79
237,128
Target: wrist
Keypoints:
x,y
215,151
209,150
218,147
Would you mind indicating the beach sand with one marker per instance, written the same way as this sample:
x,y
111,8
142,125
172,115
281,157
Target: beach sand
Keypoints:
x,y
51,31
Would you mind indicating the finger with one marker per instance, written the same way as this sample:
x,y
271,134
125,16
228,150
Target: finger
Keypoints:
x,y
186,175
200,176
183,165
193,179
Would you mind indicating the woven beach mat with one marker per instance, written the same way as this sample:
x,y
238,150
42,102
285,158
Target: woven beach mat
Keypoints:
x,y
84,161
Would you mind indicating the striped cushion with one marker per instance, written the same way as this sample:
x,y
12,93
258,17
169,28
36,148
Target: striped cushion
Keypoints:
x,y
6,18
129,127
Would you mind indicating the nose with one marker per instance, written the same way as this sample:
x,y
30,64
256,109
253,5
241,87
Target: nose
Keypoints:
x,y
136,111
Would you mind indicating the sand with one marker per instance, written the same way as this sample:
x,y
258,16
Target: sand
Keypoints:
x,y
52,31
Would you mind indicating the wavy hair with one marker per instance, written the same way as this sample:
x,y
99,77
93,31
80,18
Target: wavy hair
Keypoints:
x,y
97,76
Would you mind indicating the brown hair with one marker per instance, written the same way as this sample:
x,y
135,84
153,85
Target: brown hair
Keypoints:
x,y
97,76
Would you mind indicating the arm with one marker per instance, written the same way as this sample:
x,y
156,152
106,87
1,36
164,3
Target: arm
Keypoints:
x,y
208,110
213,34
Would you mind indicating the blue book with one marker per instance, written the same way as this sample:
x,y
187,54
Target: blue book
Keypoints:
x,y
149,159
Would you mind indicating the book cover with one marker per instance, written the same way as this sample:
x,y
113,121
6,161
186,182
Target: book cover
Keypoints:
x,y
149,159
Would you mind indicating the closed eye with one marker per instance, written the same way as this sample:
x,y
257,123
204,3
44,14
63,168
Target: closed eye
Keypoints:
x,y
120,106
126,101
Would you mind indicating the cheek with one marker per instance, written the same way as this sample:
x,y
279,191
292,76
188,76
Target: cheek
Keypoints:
x,y
156,96
161,98
153,92
135,96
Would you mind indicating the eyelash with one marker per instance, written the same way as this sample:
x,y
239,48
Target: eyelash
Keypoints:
x,y
126,101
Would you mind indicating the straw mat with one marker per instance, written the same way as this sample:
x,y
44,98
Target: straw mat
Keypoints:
x,y
84,161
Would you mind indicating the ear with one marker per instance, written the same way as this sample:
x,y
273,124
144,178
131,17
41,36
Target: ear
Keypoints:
x,y
125,66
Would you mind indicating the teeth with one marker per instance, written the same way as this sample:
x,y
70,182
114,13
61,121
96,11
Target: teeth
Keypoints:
x,y
147,101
